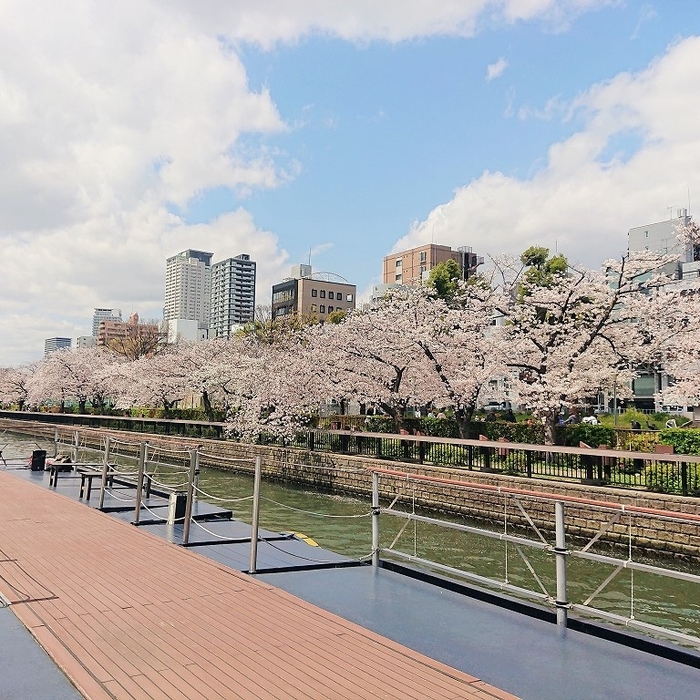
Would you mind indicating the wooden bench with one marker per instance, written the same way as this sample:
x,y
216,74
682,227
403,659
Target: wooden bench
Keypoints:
x,y
86,477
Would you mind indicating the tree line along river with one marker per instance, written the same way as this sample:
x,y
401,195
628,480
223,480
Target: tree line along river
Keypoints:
x,y
343,524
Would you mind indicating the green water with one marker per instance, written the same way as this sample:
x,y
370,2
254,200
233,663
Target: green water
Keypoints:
x,y
343,525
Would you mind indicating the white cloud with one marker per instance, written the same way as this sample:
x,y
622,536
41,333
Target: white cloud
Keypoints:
x,y
368,20
591,190
112,112
646,14
495,70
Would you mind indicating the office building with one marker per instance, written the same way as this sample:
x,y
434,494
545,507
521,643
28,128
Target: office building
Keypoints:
x,y
684,273
662,237
111,331
86,341
188,287
413,266
104,315
232,295
312,295
53,344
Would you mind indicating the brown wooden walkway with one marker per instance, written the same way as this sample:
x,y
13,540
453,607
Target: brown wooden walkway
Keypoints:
x,y
127,615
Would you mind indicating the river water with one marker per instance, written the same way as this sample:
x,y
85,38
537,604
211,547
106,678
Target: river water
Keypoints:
x,y
343,525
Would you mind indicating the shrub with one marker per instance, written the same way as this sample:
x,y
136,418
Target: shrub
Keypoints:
x,y
685,441
593,435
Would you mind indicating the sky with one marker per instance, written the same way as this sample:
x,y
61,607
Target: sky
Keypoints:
x,y
329,131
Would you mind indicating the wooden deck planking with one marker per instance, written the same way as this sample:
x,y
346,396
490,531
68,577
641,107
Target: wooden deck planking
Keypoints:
x,y
139,618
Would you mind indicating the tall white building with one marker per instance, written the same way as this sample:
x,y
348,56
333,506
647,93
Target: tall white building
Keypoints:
x,y
53,344
104,315
232,295
188,287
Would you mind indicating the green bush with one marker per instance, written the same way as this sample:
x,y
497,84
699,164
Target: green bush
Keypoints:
x,y
593,435
531,433
447,454
685,441
663,478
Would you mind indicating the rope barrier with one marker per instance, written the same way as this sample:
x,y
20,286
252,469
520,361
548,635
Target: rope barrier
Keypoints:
x,y
219,498
310,512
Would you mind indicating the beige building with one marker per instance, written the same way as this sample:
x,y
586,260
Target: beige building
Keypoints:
x,y
110,331
412,266
312,295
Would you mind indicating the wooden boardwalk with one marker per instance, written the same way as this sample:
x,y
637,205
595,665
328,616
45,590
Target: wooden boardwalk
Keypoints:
x,y
127,615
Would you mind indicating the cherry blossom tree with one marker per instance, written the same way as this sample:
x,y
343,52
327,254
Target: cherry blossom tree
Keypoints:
x,y
372,357
81,374
571,332
15,384
158,380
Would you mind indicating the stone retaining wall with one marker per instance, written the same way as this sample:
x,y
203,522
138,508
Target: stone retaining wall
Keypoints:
x,y
351,474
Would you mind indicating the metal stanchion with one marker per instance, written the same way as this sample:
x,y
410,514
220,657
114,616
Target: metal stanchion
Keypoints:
x,y
560,552
375,519
256,517
55,443
105,474
194,468
76,444
139,482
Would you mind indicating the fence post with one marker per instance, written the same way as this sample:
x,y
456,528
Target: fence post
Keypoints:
x,y
528,464
684,478
375,519
194,468
139,482
55,442
252,567
105,472
562,602
76,444
312,436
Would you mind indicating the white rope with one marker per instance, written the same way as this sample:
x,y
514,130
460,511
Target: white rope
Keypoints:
x,y
309,559
219,498
179,485
213,534
221,458
309,512
116,498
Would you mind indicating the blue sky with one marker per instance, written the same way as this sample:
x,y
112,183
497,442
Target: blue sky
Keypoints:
x,y
383,133
134,131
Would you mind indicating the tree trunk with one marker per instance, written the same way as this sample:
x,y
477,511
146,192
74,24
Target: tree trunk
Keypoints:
x,y
550,425
208,409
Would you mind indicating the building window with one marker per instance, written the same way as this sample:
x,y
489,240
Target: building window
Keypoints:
x,y
314,308
399,262
322,309
330,309
323,294
423,256
330,295
348,297
398,277
314,292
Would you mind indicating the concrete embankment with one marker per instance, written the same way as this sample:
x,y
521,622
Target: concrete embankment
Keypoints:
x,y
482,496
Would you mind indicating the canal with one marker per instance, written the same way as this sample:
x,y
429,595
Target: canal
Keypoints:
x,y
343,525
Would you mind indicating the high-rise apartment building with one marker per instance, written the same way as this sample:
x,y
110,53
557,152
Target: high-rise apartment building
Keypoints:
x,y
104,315
232,295
188,287
53,344
412,266
312,295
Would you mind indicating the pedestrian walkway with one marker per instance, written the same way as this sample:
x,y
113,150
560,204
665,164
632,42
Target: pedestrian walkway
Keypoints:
x,y
128,615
